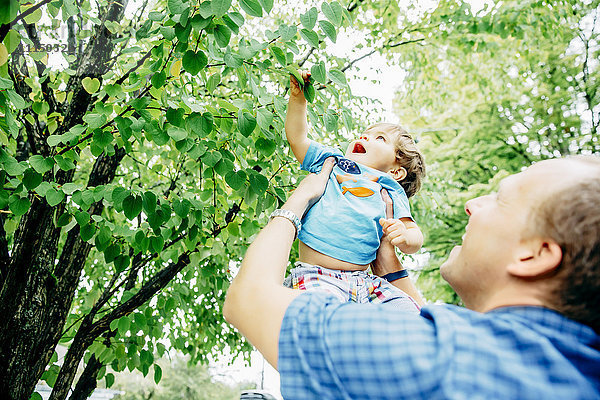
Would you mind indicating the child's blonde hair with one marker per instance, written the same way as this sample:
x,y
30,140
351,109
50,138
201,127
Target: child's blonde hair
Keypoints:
x,y
407,155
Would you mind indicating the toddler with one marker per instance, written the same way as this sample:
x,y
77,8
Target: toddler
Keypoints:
x,y
341,233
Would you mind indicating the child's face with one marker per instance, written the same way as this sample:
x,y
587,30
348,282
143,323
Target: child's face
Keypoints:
x,y
375,148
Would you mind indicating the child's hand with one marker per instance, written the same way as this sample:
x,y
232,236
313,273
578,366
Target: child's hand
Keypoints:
x,y
395,231
295,89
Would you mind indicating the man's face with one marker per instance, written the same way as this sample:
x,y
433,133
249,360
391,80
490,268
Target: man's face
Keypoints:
x,y
496,227
374,148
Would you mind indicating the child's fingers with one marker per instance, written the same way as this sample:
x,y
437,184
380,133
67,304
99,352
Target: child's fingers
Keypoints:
x,y
305,75
385,223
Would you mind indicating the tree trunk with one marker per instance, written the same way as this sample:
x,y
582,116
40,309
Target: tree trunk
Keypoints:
x,y
87,381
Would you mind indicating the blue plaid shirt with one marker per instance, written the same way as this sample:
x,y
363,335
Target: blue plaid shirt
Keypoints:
x,y
333,350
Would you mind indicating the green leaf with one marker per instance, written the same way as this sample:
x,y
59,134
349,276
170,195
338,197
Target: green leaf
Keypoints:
x,y
3,199
264,118
338,77
267,5
18,205
16,99
64,163
63,220
265,146
91,85
212,158
176,7
121,262
310,36
87,232
333,12
213,81
233,60
149,202
279,55
36,396
109,379
5,83
259,183
194,62
236,179
94,120
157,243
54,197
309,18
111,253
157,373
132,206
31,179
123,325
287,32
219,8
251,7
319,72
158,79
102,138
246,123
176,133
222,35
182,207
309,92
329,30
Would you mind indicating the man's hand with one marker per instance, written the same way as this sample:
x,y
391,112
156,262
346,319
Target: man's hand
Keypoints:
x,y
310,190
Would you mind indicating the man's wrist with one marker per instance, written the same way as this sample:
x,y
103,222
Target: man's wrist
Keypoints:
x,y
290,216
393,276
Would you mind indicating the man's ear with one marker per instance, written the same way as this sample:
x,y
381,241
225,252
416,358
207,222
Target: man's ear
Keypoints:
x,y
398,174
536,258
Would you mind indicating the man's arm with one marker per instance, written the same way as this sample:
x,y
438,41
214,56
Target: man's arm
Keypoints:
x,y
387,260
256,300
296,126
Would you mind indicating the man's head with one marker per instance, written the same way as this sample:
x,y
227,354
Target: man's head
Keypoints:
x,y
389,148
535,242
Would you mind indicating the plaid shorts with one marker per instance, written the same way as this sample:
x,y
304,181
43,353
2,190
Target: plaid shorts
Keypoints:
x,y
349,286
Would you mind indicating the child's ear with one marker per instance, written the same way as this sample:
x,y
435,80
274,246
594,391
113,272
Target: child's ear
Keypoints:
x,y
398,174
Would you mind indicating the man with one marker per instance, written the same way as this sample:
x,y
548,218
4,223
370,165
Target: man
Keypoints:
x,y
528,272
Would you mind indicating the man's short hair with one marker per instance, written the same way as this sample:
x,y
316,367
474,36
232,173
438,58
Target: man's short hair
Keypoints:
x,y
571,217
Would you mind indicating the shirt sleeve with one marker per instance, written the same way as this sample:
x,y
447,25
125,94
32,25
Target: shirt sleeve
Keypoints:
x,y
401,205
315,156
329,349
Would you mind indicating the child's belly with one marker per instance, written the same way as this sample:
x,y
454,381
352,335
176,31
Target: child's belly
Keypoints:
x,y
311,256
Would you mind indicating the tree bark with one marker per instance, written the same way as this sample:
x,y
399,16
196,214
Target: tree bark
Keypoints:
x,y
87,381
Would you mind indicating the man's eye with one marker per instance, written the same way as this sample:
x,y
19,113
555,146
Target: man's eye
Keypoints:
x,y
380,138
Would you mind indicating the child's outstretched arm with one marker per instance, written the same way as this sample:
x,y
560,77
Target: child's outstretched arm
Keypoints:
x,y
296,126
403,233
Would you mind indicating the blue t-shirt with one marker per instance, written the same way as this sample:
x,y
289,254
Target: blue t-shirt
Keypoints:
x,y
344,223
332,350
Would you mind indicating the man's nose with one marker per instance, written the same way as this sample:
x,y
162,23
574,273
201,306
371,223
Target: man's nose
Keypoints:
x,y
363,137
474,204
471,205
